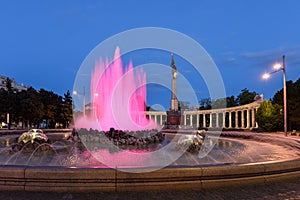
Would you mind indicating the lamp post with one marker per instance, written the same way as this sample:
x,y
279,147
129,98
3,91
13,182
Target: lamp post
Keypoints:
x,y
278,67
77,93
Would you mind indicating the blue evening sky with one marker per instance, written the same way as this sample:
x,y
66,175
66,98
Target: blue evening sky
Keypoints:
x,y
43,42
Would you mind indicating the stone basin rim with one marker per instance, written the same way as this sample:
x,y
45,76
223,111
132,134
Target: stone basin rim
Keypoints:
x,y
62,179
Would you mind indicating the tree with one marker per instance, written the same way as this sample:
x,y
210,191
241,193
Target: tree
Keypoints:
x,y
10,101
59,112
8,85
231,101
293,103
3,104
30,107
67,108
52,107
245,97
205,104
184,105
269,117
219,103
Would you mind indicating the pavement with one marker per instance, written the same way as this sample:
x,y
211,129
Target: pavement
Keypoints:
x,y
287,190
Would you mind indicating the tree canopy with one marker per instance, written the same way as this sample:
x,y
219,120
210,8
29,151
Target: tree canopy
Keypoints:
x,y
269,117
245,97
293,103
32,107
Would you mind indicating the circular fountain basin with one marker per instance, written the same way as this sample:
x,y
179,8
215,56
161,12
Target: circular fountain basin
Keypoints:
x,y
237,158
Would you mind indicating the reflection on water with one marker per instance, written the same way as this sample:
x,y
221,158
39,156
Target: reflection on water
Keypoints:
x,y
74,154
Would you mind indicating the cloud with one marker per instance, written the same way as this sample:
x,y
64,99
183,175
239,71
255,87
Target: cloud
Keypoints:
x,y
262,54
268,57
228,57
293,56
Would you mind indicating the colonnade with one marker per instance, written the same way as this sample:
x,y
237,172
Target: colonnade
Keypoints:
x,y
159,117
240,117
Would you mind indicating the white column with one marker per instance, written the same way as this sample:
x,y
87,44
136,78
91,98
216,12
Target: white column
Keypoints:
x,y
217,119
184,117
256,124
243,120
236,119
198,122
155,118
161,121
204,120
253,117
224,119
191,120
230,120
210,120
248,119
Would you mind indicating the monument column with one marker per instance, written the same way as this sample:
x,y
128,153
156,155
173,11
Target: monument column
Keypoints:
x,y
174,115
174,101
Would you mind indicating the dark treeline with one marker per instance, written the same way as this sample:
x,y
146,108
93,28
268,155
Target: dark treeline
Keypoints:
x,y
293,103
35,107
243,98
270,114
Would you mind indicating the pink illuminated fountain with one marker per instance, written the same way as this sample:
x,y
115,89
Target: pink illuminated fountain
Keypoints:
x,y
118,97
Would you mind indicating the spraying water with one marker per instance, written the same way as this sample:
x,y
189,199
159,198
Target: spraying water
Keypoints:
x,y
118,97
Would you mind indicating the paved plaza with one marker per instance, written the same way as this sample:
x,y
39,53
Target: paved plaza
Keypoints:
x,y
284,190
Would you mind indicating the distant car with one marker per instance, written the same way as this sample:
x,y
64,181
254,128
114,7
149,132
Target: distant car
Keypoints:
x,y
33,135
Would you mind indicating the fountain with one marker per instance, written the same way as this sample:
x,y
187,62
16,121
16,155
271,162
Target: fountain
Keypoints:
x,y
68,166
103,159
118,97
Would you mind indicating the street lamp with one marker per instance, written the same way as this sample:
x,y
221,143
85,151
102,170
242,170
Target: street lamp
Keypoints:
x,y
77,93
278,67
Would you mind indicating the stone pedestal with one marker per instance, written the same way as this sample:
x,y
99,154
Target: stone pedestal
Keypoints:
x,y
173,117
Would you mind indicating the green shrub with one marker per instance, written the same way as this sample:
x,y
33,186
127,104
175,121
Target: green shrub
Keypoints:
x,y
269,117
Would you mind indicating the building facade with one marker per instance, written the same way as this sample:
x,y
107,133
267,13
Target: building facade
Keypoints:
x,y
14,84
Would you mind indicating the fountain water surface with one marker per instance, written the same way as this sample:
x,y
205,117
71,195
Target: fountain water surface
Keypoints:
x,y
118,97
